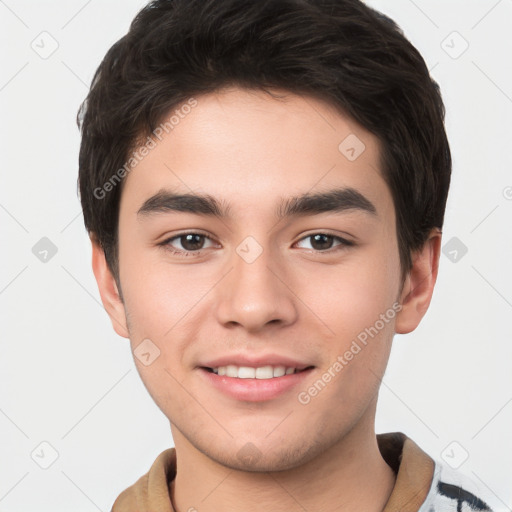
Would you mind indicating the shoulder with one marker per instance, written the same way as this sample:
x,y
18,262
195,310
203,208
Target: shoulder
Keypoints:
x,y
151,491
131,498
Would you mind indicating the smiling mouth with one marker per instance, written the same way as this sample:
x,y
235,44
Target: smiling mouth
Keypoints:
x,y
248,372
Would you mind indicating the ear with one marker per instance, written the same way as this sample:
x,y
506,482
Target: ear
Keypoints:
x,y
108,289
419,284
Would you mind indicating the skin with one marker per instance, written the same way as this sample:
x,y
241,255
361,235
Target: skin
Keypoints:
x,y
248,149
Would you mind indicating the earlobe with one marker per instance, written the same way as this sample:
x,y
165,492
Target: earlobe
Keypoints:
x,y
419,284
109,293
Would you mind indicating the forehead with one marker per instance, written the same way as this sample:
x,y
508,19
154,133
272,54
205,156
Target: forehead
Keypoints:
x,y
249,150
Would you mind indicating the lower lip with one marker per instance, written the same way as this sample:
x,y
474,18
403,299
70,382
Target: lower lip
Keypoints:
x,y
255,390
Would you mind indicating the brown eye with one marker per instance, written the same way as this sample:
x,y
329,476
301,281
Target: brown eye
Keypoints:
x,y
187,243
323,242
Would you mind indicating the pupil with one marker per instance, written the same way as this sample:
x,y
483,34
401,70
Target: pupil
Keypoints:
x,y
191,241
318,239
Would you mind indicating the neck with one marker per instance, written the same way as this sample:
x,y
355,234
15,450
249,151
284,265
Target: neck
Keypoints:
x,y
350,476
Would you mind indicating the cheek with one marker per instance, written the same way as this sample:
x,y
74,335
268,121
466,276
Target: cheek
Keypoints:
x,y
352,296
156,293
159,304
163,302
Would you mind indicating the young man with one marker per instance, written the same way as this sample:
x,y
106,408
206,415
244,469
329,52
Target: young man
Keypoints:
x,y
264,184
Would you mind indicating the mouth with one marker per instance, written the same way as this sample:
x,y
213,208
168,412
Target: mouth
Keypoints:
x,y
254,384
249,372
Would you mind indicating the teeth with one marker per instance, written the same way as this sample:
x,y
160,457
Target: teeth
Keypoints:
x,y
247,372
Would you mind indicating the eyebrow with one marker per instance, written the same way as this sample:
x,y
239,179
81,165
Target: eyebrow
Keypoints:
x,y
336,200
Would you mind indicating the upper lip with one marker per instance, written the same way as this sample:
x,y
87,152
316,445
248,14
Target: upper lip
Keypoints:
x,y
255,361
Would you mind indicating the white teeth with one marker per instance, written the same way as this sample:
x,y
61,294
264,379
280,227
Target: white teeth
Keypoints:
x,y
244,372
231,370
247,372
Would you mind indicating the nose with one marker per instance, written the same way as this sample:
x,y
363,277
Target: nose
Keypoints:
x,y
256,294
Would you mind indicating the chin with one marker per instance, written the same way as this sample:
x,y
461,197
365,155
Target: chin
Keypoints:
x,y
255,458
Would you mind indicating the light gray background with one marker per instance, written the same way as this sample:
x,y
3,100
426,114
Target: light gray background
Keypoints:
x,y
68,380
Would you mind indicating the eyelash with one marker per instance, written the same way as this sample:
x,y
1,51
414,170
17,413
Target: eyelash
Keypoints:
x,y
166,244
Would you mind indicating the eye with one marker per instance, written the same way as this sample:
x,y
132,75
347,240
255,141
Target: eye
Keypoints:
x,y
188,243
321,242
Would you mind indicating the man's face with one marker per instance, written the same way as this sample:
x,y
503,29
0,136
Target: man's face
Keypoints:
x,y
258,289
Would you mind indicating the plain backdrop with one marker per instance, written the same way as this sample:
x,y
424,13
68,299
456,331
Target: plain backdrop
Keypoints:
x,y
69,382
